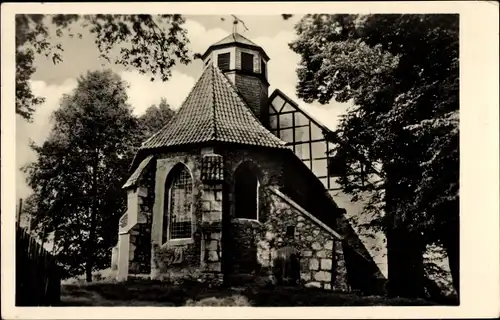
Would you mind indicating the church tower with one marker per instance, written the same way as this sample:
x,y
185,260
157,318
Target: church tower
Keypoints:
x,y
245,65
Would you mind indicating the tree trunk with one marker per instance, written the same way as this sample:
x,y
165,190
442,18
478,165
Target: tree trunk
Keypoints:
x,y
405,249
451,243
93,217
405,264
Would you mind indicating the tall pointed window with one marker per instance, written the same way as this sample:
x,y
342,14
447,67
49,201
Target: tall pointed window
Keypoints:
x,y
177,221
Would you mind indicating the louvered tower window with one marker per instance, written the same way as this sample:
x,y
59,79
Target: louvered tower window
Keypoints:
x,y
223,60
247,62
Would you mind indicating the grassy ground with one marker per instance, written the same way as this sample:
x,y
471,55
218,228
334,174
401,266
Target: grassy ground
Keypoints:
x,y
156,293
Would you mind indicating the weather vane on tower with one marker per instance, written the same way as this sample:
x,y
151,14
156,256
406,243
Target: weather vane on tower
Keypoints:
x,y
237,21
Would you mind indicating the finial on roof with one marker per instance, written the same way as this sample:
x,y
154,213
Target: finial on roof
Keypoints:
x,y
236,22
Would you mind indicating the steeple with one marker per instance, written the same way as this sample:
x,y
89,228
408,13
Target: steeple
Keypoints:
x,y
245,64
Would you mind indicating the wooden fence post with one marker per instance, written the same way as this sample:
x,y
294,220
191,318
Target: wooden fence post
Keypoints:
x,y
19,211
37,273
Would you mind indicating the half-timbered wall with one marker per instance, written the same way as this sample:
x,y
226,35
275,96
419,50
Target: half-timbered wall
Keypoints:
x,y
304,136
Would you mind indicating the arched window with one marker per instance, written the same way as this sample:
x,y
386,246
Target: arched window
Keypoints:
x,y
246,192
178,216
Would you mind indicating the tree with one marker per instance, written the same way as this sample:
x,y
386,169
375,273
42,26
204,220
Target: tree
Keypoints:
x,y
155,118
401,73
80,169
149,43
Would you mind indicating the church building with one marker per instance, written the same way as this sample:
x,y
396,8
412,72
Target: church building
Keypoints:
x,y
237,182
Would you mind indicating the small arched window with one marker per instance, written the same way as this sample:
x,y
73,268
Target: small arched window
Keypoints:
x,y
178,213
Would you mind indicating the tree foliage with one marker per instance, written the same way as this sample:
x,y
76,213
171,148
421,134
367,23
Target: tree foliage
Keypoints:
x,y
80,169
155,118
150,43
401,74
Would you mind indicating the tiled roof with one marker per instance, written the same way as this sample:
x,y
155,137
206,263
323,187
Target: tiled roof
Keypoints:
x,y
235,38
137,173
213,112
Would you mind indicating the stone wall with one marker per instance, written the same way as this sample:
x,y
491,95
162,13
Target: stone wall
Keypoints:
x,y
140,235
306,190
211,225
245,235
322,262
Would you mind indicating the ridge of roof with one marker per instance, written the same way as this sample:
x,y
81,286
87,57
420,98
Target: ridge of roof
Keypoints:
x,y
213,111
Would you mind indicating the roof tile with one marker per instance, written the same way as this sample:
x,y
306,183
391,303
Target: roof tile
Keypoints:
x,y
213,111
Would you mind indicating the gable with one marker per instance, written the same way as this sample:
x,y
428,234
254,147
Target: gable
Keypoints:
x,y
303,134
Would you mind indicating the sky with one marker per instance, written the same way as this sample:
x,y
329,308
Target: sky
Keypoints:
x,y
51,81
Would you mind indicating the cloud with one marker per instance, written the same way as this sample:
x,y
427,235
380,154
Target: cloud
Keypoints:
x,y
37,130
201,38
143,92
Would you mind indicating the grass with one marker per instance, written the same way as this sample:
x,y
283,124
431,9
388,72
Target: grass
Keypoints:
x,y
157,293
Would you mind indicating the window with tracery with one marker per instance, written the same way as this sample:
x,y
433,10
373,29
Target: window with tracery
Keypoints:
x,y
178,213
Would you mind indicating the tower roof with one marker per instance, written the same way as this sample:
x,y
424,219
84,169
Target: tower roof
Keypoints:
x,y
235,38
213,112
238,40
